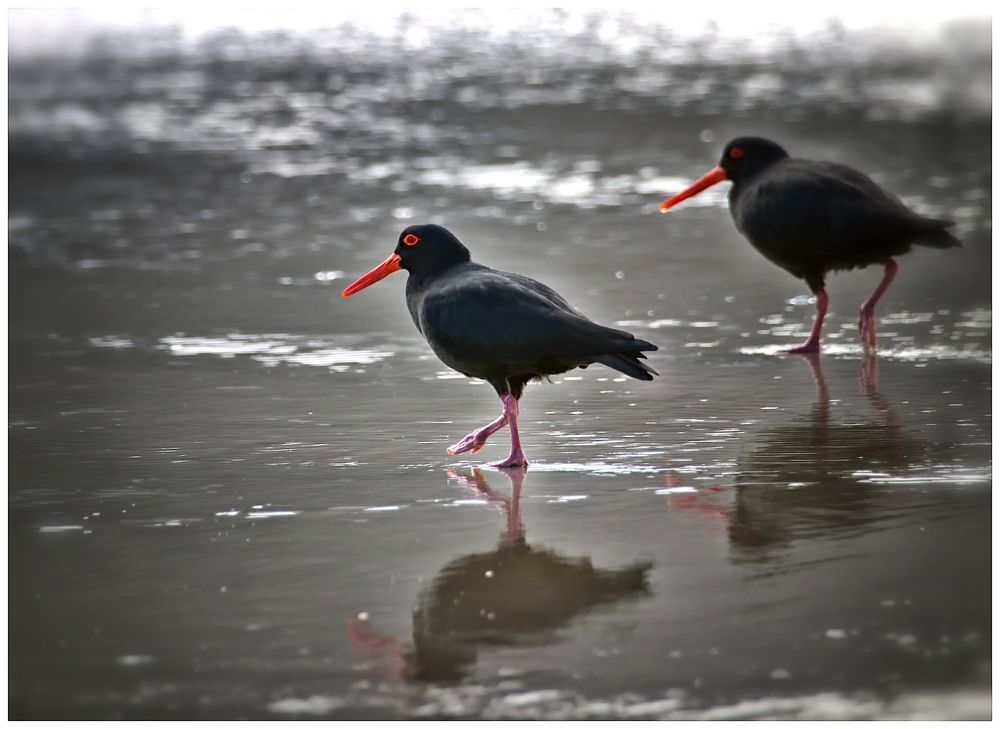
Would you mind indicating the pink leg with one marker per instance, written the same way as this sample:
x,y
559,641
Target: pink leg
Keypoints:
x,y
811,345
866,319
516,457
477,438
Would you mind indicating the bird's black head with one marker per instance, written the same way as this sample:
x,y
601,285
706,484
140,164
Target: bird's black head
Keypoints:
x,y
745,157
423,250
742,159
426,249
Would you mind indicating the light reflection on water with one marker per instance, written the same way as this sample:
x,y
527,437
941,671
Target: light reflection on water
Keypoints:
x,y
268,349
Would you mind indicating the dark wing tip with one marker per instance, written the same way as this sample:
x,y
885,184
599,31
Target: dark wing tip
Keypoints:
x,y
646,346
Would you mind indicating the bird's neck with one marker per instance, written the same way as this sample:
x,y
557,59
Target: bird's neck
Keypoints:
x,y
762,166
426,275
750,176
419,282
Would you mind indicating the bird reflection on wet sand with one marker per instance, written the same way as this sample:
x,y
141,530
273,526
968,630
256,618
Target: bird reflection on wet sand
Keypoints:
x,y
808,479
516,595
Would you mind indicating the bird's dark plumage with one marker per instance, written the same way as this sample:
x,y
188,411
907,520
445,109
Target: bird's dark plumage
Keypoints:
x,y
501,327
813,217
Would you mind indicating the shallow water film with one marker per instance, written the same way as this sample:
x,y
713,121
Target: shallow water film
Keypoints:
x,y
229,492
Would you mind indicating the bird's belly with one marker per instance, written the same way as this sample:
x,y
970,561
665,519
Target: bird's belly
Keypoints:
x,y
794,243
788,252
815,254
455,362
499,367
807,242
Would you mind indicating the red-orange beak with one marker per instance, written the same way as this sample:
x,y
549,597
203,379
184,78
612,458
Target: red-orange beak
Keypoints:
x,y
389,265
715,175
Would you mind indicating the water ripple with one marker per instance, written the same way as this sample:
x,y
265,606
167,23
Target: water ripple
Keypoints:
x,y
274,349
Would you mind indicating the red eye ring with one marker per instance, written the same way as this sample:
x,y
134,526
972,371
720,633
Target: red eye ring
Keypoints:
x,y
736,153
410,239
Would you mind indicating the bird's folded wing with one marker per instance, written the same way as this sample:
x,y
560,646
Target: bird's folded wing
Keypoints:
x,y
826,202
507,320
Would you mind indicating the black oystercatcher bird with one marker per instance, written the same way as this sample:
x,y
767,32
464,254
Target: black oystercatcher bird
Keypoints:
x,y
814,217
501,327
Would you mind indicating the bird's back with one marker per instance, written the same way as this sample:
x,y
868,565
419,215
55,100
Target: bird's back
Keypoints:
x,y
488,323
810,217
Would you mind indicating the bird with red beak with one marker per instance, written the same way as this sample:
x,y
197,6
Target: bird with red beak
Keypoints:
x,y
813,217
500,327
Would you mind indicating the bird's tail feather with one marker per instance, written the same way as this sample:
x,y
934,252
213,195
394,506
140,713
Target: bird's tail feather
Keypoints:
x,y
628,364
936,234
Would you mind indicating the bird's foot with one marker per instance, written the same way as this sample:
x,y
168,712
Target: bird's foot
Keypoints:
x,y
809,347
477,438
515,460
472,442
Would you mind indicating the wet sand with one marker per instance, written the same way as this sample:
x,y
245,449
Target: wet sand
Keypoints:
x,y
230,497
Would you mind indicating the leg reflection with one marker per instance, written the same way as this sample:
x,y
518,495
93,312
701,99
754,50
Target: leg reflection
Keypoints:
x,y
809,477
511,506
